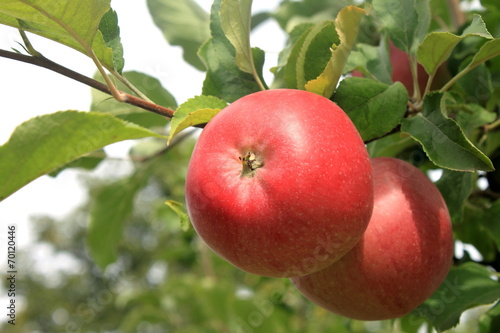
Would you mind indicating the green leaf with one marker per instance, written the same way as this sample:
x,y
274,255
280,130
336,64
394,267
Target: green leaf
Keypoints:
x,y
375,108
44,144
488,51
195,111
437,46
372,61
411,324
347,27
477,27
310,54
235,16
406,21
471,230
489,322
473,117
455,187
291,69
390,145
293,37
149,86
492,142
180,210
443,140
476,84
224,79
111,206
72,23
465,287
183,23
235,21
490,221
111,35
291,13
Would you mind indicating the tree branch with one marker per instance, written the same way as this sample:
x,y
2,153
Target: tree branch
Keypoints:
x,y
55,67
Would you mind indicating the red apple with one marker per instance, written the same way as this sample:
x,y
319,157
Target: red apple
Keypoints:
x,y
279,183
403,257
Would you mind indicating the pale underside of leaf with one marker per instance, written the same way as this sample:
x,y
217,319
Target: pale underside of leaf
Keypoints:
x,y
235,21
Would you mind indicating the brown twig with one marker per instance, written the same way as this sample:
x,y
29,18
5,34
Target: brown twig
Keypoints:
x,y
55,67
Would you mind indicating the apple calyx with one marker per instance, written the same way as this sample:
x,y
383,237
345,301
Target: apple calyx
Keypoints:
x,y
250,163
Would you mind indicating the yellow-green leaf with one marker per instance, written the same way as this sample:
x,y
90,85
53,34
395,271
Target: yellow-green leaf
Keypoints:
x,y
347,27
180,210
195,111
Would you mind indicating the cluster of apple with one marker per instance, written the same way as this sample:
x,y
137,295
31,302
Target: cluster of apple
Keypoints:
x,y
280,184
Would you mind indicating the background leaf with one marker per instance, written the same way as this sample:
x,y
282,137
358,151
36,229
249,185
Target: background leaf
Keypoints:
x,y
292,13
455,187
372,61
111,206
490,221
88,162
183,23
466,286
45,143
406,21
375,108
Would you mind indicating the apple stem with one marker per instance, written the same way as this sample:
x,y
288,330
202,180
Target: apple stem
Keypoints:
x,y
250,163
414,71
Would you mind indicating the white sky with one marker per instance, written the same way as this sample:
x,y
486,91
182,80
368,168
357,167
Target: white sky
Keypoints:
x,y
28,91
